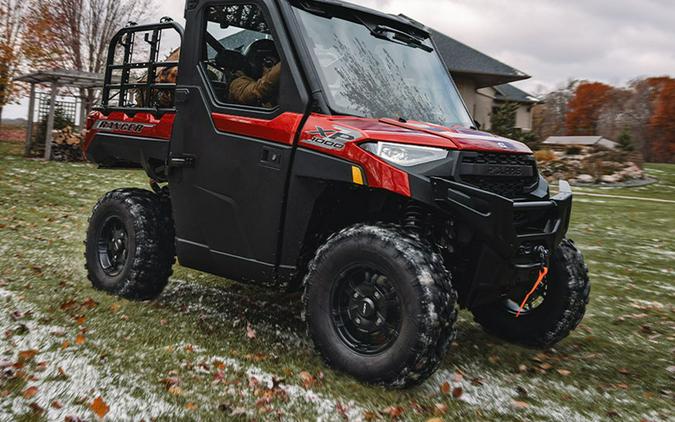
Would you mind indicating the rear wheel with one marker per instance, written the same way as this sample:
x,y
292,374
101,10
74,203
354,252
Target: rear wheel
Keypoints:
x,y
379,305
130,244
552,312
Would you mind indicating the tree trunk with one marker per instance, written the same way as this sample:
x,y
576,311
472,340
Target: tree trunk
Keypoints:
x,y
1,107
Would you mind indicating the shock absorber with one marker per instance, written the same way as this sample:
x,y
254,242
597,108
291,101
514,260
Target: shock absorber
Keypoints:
x,y
414,218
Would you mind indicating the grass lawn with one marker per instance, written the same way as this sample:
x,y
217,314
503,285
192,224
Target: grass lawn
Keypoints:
x,y
211,349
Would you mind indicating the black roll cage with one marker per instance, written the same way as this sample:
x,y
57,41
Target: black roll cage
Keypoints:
x,y
126,38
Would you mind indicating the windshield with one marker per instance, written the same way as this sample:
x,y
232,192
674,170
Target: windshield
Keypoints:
x,y
368,76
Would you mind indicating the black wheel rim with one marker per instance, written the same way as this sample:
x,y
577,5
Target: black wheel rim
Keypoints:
x,y
536,301
366,310
113,246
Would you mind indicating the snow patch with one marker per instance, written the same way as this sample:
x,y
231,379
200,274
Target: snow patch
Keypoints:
x,y
84,381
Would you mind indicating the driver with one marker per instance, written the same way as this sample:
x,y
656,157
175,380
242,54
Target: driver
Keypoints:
x,y
264,91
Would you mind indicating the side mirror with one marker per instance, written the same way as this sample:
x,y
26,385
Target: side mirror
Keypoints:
x,y
476,124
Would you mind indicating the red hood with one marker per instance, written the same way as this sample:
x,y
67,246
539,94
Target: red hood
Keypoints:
x,y
426,134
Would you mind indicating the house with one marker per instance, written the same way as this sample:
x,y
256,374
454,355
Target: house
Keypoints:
x,y
484,82
566,142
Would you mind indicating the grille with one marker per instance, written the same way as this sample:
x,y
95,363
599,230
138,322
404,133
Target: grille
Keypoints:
x,y
508,175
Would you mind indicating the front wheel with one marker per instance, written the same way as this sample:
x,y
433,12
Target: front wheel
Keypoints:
x,y
379,305
552,313
130,244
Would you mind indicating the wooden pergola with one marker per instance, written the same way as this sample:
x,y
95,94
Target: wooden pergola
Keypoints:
x,y
55,79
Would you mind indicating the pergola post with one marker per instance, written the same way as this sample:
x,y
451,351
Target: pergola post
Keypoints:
x,y
29,126
83,113
50,122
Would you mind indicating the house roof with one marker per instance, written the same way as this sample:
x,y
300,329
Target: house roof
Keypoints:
x,y
464,60
510,93
582,141
64,77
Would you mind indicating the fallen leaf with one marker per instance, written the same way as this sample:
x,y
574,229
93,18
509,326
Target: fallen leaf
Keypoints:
x,y
307,379
341,409
394,411
493,359
170,381
65,345
440,409
36,408
445,388
250,332
564,372
520,404
435,420
62,372
29,393
671,369
56,405
546,366
80,340
175,390
369,415
69,304
457,392
27,355
80,320
99,407
90,303
458,377
624,371
191,406
115,307
522,368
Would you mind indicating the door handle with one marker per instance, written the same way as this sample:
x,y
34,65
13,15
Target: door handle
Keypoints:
x,y
271,157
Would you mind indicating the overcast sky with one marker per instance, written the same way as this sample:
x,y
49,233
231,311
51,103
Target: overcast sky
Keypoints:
x,y
553,40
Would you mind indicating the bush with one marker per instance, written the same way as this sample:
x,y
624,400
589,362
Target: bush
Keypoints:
x,y
545,155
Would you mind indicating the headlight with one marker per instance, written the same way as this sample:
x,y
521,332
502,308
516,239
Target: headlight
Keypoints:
x,y
405,155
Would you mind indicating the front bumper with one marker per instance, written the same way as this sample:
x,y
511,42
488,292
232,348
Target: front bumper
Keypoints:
x,y
509,231
494,216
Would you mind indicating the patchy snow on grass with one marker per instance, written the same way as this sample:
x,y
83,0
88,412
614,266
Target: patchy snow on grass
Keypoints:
x,y
496,393
325,408
82,383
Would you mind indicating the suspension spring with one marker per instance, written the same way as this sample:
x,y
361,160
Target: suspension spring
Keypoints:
x,y
414,218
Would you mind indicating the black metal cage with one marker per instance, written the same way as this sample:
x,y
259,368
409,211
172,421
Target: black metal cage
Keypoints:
x,y
120,91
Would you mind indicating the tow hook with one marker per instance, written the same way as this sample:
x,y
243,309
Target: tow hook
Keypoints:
x,y
543,272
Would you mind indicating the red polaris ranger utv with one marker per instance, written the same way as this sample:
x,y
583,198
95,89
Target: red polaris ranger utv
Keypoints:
x,y
323,147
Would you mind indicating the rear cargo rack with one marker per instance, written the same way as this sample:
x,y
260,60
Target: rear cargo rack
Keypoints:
x,y
119,90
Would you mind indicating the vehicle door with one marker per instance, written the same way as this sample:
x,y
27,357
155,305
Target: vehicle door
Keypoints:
x,y
234,136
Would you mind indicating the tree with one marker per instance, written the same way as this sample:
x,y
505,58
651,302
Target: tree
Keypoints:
x,y
12,14
661,145
585,107
503,123
625,141
503,119
76,33
548,118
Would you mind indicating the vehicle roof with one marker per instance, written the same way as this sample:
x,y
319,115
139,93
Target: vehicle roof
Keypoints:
x,y
400,19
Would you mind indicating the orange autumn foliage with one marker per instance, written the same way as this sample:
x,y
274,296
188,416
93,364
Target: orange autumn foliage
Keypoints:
x,y
662,124
584,108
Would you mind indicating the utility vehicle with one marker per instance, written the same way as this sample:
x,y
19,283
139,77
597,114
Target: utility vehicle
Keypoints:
x,y
361,181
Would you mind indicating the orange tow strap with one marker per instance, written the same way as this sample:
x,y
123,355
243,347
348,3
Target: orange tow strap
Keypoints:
x,y
542,274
